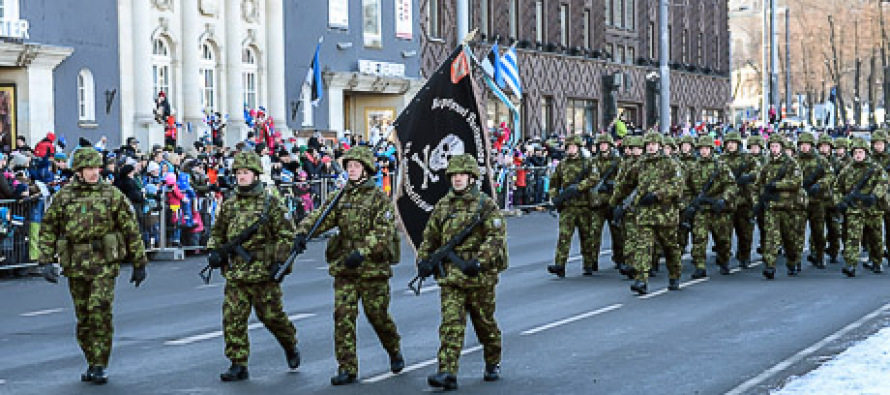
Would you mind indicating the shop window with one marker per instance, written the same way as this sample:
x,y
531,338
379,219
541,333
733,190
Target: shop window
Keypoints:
x,y
86,96
581,116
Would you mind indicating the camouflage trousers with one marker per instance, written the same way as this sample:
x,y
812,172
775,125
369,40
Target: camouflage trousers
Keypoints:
x,y
600,219
479,303
835,231
782,227
647,238
265,299
863,229
582,219
743,225
633,246
375,296
93,299
816,219
720,229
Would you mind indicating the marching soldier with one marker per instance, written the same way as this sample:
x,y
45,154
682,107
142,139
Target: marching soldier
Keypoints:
x,y
881,157
359,259
654,184
249,283
91,229
860,192
818,177
711,187
744,169
833,235
571,182
608,163
687,159
781,201
756,145
627,226
461,293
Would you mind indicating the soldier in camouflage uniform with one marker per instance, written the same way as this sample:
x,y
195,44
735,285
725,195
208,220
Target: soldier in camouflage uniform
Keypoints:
x,y
461,293
756,145
654,184
359,259
881,157
91,228
687,159
833,235
818,178
713,206
862,208
575,174
781,179
608,163
627,226
249,284
744,169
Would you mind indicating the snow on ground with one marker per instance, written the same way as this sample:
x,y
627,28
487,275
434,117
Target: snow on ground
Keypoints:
x,y
862,369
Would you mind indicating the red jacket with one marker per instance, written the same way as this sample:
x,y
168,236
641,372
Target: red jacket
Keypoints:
x,y
43,148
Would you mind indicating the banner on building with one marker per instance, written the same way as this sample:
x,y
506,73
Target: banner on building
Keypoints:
x,y
7,116
442,121
404,20
338,14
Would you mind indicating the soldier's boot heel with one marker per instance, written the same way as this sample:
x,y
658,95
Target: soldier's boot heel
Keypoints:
x,y
849,271
100,376
293,357
442,380
588,271
769,273
699,273
744,263
674,284
558,270
88,375
833,259
724,269
877,268
396,362
343,377
236,372
653,272
492,372
640,287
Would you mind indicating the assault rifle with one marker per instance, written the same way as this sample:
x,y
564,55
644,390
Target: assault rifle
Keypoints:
x,y
236,244
766,196
624,207
812,178
284,268
433,264
605,186
571,191
695,206
855,194
741,178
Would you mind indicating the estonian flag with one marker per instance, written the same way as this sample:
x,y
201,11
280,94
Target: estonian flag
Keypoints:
x,y
508,72
313,78
491,63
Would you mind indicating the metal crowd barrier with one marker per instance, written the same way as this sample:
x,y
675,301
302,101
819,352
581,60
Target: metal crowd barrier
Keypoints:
x,y
18,233
532,196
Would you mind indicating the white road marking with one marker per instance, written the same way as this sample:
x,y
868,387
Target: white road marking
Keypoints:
x,y
205,286
321,268
423,290
682,285
572,319
41,312
414,367
215,334
756,380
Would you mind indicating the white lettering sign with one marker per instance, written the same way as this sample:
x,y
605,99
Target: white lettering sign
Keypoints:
x,y
383,69
404,19
338,14
14,28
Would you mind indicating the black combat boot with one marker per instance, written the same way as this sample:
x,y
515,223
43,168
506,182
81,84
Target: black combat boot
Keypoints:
x,y
724,269
588,271
877,269
674,284
760,250
699,272
236,372
653,272
442,380
628,271
640,287
867,265
293,357
850,271
793,271
744,263
343,377
100,376
88,375
558,270
492,372
769,273
833,258
396,362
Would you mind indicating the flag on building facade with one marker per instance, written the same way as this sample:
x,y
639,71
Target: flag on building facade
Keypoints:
x,y
313,78
509,72
491,63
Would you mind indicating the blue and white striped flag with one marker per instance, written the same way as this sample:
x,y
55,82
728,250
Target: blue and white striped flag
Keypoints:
x,y
509,72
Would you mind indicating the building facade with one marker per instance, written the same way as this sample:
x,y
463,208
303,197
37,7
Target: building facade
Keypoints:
x,y
584,62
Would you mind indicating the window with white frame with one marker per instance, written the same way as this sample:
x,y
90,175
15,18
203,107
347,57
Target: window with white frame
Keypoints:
x,y
372,24
86,96
161,64
539,21
564,24
208,76
249,77
586,29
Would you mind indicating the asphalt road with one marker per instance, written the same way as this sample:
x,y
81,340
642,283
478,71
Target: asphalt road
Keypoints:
x,y
580,334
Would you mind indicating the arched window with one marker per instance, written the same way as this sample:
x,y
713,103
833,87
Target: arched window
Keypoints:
x,y
161,65
86,96
208,75
249,77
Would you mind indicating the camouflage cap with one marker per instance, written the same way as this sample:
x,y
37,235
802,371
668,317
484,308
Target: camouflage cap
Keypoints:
x,y
879,135
633,141
825,138
778,138
858,143
732,136
605,138
575,140
652,137
363,155
248,160
705,141
464,163
86,157
806,138
842,142
687,139
668,140
755,140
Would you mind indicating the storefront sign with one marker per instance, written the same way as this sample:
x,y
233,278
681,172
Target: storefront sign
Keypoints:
x,y
404,23
382,69
338,14
17,28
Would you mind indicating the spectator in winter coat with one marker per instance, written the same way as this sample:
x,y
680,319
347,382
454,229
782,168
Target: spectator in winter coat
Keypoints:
x,y
127,184
46,147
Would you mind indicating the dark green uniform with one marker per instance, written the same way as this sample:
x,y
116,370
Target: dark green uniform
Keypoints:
x,y
781,178
744,167
609,165
687,159
713,215
832,224
818,178
882,159
91,229
628,227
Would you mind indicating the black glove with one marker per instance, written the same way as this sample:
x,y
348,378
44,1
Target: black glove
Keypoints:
x,y
571,190
745,179
605,188
718,206
472,268
814,189
425,268
215,259
867,199
703,200
51,273
648,199
354,260
300,243
618,214
138,276
770,188
842,207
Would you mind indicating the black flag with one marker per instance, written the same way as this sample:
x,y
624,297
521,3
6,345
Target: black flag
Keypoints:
x,y
442,121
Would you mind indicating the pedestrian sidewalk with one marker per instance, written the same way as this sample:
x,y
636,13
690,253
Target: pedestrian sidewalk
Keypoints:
x,y
863,368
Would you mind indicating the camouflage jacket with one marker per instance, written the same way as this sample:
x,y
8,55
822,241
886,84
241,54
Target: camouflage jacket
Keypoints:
x,y
789,188
569,170
92,228
487,242
743,164
838,163
809,166
657,174
697,176
882,159
876,185
604,163
365,218
271,243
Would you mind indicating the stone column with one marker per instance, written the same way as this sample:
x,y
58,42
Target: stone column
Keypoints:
x,y
137,96
274,17
190,109
233,103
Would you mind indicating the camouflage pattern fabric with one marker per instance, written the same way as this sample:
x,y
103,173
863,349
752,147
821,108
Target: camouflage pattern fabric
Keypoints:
x,y
782,218
686,161
863,224
577,213
265,299
816,203
374,295
93,300
479,303
653,239
602,210
883,160
742,223
707,221
582,219
834,234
